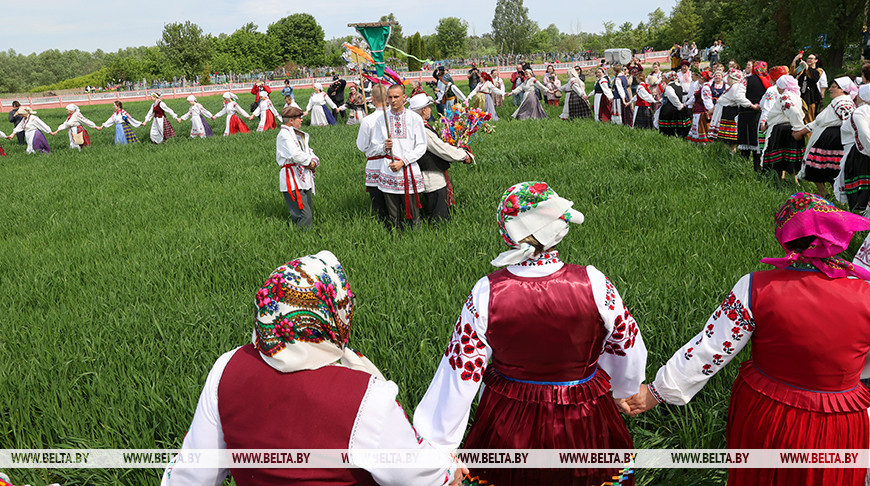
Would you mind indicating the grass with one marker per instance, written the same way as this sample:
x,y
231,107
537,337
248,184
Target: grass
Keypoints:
x,y
125,271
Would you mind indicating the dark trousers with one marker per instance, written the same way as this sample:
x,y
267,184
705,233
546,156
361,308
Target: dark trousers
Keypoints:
x,y
436,208
379,206
396,211
301,217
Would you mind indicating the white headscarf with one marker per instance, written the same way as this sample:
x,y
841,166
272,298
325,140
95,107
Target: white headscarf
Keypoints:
x,y
191,98
72,107
848,86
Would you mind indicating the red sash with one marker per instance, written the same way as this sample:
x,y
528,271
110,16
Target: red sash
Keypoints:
x,y
406,169
287,175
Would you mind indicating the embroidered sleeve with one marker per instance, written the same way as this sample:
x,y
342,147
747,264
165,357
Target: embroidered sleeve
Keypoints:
x,y
442,415
707,97
624,354
726,332
862,258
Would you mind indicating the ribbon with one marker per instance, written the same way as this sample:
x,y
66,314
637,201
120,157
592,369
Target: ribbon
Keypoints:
x,y
422,61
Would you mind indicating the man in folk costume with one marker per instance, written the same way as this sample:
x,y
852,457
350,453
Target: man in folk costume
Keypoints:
x,y
434,164
161,129
809,324
372,147
265,109
78,136
14,119
297,162
299,385
400,179
448,93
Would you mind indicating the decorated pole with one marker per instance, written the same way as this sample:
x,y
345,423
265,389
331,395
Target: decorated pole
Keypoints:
x,y
376,34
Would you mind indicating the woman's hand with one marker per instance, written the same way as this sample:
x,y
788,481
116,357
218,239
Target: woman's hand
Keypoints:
x,y
642,401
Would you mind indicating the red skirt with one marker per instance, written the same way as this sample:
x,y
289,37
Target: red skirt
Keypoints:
x,y
514,415
270,121
237,125
756,421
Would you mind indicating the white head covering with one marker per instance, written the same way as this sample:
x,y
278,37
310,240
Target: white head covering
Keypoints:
x,y
155,94
864,93
230,96
191,98
419,101
72,107
532,209
788,83
846,84
318,86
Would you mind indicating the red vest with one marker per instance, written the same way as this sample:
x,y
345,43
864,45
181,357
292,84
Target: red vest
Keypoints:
x,y
262,408
812,331
158,111
699,107
544,329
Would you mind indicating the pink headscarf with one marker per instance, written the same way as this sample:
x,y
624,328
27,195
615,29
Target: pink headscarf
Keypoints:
x,y
788,83
807,214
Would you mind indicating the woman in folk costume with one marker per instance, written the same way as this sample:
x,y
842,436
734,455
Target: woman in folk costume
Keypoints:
x,y
782,152
530,106
317,107
674,119
197,113
809,324
124,124
32,126
78,136
576,101
233,112
654,81
552,84
768,102
621,99
161,129
603,96
355,105
299,385
549,385
498,84
723,124
643,105
487,90
825,148
702,110
269,117
749,112
854,185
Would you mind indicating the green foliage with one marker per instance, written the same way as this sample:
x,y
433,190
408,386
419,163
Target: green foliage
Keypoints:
x,y
685,23
415,48
245,50
300,39
99,78
546,40
184,46
396,38
511,26
451,36
121,298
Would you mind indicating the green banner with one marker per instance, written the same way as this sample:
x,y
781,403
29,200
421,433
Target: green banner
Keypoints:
x,y
377,38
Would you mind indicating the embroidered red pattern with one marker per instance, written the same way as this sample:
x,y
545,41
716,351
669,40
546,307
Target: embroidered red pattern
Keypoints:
x,y
623,336
466,352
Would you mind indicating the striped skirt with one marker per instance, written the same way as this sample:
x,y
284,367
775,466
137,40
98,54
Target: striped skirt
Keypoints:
x,y
822,163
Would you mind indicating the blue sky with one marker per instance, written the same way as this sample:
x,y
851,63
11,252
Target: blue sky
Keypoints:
x,y
113,25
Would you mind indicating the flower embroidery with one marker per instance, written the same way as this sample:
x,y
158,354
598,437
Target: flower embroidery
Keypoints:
x,y
736,334
609,294
727,347
542,259
466,352
707,370
688,354
623,335
709,330
717,359
469,304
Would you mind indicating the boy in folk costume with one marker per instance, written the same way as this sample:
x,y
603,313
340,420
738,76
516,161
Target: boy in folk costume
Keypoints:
x,y
32,127
78,136
366,143
233,110
559,338
809,325
297,162
434,164
265,109
161,129
399,178
197,113
123,125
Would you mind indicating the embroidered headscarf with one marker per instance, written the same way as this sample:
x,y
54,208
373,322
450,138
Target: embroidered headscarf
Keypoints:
x,y
789,84
532,209
735,76
759,69
777,72
669,76
848,86
807,214
304,312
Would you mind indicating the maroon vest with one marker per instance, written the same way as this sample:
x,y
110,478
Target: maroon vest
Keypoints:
x,y
544,329
813,331
262,408
158,111
699,107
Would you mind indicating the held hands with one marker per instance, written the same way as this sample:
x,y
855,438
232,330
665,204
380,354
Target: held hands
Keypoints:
x,y
250,117
99,127
178,119
642,401
53,133
460,474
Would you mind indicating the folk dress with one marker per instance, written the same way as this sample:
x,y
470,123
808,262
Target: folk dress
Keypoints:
x,y
825,148
487,89
747,118
124,124
781,151
723,125
603,99
33,128
699,133
576,104
644,101
161,129
317,107
199,126
856,161
74,122
768,101
267,113
800,388
560,338
233,110
674,117
530,107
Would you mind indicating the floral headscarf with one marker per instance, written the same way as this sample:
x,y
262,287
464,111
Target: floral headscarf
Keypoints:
x,y
303,317
809,215
735,75
759,69
777,72
788,83
532,208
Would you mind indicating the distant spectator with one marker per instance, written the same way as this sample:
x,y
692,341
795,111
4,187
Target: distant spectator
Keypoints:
x,y
715,50
675,57
14,118
686,51
473,76
865,54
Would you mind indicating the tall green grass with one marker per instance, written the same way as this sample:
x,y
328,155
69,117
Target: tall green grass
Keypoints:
x,y
126,271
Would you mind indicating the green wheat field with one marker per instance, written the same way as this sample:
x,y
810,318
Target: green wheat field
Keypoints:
x,y
125,271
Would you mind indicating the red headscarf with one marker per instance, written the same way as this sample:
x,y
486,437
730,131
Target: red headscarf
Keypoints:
x,y
486,77
759,68
707,75
776,72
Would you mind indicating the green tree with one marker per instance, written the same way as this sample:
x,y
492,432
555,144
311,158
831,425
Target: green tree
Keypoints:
x,y
300,39
396,38
546,40
184,46
415,48
511,27
685,22
452,36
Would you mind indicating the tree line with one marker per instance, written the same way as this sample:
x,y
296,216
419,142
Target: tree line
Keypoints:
x,y
772,30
